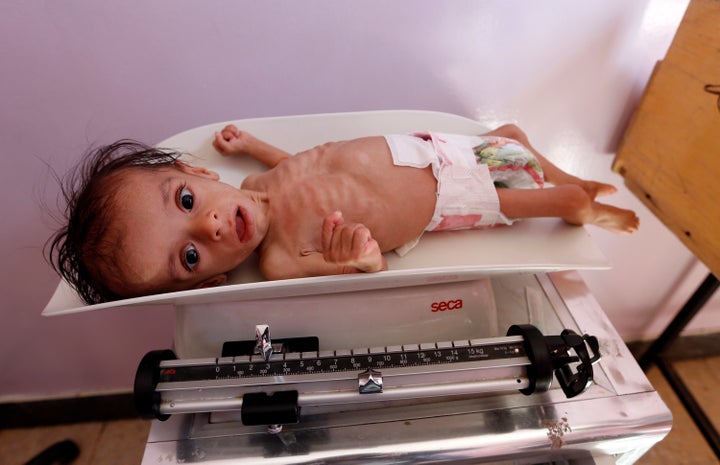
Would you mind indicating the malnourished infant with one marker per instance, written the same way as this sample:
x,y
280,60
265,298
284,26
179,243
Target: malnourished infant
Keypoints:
x,y
142,222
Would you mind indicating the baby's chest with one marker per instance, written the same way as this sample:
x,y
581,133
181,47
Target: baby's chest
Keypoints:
x,y
321,195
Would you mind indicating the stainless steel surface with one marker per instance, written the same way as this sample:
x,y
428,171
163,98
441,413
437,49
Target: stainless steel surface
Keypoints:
x,y
319,400
457,432
327,378
615,421
370,382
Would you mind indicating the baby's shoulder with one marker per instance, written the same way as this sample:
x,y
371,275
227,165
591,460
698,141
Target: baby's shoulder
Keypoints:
x,y
260,181
251,182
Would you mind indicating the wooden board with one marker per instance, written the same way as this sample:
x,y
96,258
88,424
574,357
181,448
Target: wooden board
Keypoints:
x,y
670,155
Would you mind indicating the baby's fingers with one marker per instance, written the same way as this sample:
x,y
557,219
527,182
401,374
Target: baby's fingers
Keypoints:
x,y
330,222
228,140
365,253
348,244
230,132
221,144
362,240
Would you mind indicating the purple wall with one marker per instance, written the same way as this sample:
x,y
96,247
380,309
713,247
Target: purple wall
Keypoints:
x,y
82,72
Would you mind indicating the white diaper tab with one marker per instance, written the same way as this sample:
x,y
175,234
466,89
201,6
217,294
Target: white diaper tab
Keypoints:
x,y
465,192
407,150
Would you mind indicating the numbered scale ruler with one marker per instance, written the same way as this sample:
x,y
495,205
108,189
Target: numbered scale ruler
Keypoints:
x,y
524,362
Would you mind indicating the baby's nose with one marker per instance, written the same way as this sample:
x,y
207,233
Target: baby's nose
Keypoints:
x,y
208,226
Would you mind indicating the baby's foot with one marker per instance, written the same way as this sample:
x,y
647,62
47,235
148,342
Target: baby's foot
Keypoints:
x,y
597,189
615,219
592,188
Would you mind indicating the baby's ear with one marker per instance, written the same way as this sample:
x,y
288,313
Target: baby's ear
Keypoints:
x,y
212,282
196,170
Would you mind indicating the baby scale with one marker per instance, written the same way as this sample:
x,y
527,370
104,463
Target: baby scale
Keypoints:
x,y
476,347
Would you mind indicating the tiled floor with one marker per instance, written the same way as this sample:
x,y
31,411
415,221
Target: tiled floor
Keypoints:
x,y
122,441
119,442
685,445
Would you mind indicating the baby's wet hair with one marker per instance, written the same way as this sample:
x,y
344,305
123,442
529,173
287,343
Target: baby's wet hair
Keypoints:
x,y
81,251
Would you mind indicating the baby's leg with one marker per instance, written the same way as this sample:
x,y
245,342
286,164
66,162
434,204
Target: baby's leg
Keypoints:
x,y
569,202
552,173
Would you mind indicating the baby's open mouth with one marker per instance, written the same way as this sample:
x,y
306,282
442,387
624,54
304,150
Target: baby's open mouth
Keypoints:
x,y
240,227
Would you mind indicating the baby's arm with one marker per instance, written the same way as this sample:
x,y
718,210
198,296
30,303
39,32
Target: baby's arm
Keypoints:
x,y
347,248
232,141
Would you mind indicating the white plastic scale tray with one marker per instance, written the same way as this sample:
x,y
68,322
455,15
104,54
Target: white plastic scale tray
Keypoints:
x,y
534,245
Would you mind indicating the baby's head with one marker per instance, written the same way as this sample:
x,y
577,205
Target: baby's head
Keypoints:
x,y
141,222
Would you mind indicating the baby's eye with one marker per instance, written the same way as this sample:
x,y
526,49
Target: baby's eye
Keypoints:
x,y
186,198
190,257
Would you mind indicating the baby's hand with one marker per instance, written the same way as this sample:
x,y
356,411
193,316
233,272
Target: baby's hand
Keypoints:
x,y
231,141
350,244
